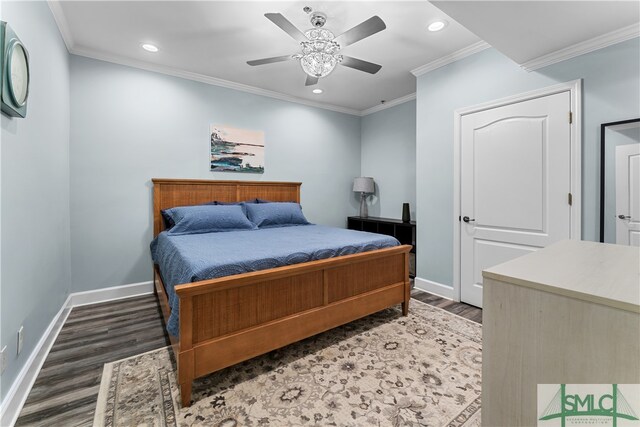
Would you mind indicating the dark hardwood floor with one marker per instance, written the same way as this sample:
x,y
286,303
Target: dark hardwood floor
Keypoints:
x,y
66,390
461,309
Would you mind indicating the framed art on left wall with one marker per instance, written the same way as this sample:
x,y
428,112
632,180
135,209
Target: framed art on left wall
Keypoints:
x,y
236,150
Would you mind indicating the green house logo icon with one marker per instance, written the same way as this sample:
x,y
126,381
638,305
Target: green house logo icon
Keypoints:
x,y
565,405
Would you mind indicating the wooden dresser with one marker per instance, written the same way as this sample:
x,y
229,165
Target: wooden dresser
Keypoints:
x,y
566,314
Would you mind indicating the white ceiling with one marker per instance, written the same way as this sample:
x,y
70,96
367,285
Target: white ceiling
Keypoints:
x,y
526,30
212,40
215,39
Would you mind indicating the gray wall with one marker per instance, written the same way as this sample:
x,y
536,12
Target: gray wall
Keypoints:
x,y
389,156
130,125
35,189
611,92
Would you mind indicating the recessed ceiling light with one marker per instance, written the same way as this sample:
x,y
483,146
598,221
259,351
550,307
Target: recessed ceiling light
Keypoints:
x,y
437,25
149,47
317,91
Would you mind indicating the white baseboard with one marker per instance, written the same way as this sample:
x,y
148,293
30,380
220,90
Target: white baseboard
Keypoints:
x,y
435,288
14,400
111,294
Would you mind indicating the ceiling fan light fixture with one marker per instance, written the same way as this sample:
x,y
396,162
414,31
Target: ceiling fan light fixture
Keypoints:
x,y
320,48
319,55
319,64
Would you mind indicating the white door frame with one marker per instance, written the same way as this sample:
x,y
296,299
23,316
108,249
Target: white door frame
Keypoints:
x,y
624,152
575,89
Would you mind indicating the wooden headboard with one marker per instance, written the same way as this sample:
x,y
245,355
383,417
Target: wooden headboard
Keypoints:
x,y
169,193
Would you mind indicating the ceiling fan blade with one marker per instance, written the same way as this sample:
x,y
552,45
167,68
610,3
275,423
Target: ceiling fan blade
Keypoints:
x,y
359,64
286,26
361,31
311,80
269,60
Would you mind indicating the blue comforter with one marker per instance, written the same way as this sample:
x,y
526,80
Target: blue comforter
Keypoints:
x,y
195,257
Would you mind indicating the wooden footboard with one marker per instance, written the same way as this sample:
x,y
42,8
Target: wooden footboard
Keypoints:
x,y
228,320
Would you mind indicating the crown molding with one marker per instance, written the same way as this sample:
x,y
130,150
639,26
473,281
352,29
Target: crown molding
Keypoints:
x,y
389,104
453,57
171,71
61,22
233,85
608,39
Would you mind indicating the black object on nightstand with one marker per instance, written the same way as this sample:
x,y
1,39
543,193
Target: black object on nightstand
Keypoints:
x,y
405,232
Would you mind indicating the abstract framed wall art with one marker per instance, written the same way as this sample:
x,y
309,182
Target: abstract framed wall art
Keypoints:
x,y
236,150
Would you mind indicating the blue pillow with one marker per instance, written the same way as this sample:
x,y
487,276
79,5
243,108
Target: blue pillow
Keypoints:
x,y
208,219
268,215
169,223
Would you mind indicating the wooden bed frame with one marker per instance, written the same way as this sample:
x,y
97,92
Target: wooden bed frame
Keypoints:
x,y
228,320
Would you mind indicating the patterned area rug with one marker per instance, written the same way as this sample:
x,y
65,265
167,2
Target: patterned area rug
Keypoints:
x,y
383,370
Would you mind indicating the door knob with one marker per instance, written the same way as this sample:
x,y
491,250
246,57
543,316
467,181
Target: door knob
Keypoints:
x,y
624,216
467,219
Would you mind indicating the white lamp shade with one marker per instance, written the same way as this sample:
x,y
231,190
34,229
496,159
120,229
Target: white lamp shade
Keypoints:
x,y
363,184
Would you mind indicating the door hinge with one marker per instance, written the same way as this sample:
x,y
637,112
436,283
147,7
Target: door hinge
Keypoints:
x,y
570,199
570,117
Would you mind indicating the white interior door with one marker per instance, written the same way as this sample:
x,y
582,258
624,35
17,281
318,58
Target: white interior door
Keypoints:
x,y
515,182
628,194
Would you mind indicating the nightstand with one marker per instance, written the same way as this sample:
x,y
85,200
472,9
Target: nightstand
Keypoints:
x,y
405,232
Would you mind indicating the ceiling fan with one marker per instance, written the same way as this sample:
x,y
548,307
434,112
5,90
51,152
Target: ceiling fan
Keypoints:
x,y
320,47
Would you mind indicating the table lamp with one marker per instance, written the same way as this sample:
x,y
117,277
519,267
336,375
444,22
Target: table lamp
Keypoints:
x,y
363,185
